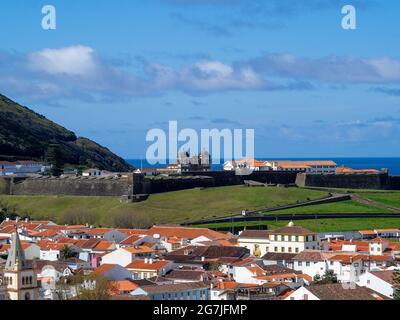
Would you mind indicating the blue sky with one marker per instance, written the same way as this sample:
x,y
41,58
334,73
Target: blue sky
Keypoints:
x,y
113,70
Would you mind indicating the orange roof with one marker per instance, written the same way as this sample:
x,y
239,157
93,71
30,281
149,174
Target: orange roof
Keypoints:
x,y
350,170
232,285
52,246
142,265
24,245
256,270
124,285
104,246
139,249
131,239
387,230
46,233
103,269
133,231
243,262
346,258
367,232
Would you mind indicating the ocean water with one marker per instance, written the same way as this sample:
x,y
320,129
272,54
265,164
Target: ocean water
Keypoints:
x,y
392,164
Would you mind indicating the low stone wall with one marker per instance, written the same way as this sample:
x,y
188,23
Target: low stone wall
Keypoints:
x,y
167,184
5,184
350,181
72,186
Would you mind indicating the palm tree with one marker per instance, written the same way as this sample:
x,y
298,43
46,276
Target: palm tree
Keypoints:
x,y
66,253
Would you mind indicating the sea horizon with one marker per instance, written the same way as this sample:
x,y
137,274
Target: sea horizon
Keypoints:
x,y
390,163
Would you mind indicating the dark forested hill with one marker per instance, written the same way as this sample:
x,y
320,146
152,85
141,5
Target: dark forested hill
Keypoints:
x,y
25,134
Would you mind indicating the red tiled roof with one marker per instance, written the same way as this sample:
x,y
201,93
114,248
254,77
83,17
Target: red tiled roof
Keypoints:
x,y
123,286
138,250
142,265
131,239
104,246
103,269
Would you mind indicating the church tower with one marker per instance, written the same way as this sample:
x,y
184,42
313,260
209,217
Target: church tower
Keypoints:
x,y
20,280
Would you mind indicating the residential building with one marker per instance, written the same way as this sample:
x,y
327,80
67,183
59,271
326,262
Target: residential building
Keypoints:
x,y
178,291
334,291
148,268
292,239
381,281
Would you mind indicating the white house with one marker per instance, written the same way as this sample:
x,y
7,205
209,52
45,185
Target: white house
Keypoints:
x,y
292,239
127,255
148,268
106,234
379,281
335,291
113,272
52,251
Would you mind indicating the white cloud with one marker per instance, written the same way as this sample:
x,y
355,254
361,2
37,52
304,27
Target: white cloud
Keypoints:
x,y
78,72
71,61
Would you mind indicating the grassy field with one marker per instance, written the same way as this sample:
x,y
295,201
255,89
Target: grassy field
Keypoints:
x,y
321,225
172,207
336,207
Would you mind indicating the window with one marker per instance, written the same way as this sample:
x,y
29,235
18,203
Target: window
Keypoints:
x,y
297,250
368,281
299,263
283,249
276,249
305,297
290,249
308,263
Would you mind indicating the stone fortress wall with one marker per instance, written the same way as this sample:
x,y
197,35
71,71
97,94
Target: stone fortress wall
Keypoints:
x,y
379,181
139,184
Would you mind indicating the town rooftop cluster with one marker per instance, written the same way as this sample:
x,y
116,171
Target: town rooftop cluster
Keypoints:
x,y
174,263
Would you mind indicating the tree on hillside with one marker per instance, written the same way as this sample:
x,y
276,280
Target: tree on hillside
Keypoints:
x,y
328,277
54,158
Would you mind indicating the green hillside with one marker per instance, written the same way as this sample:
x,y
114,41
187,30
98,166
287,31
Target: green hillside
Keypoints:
x,y
171,207
25,134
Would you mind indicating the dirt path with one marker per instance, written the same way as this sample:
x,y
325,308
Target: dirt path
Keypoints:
x,y
373,203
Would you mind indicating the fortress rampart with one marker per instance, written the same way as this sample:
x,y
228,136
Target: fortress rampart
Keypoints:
x,y
139,184
350,181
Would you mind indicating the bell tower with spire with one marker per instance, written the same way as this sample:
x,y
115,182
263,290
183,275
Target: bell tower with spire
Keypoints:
x,y
19,278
